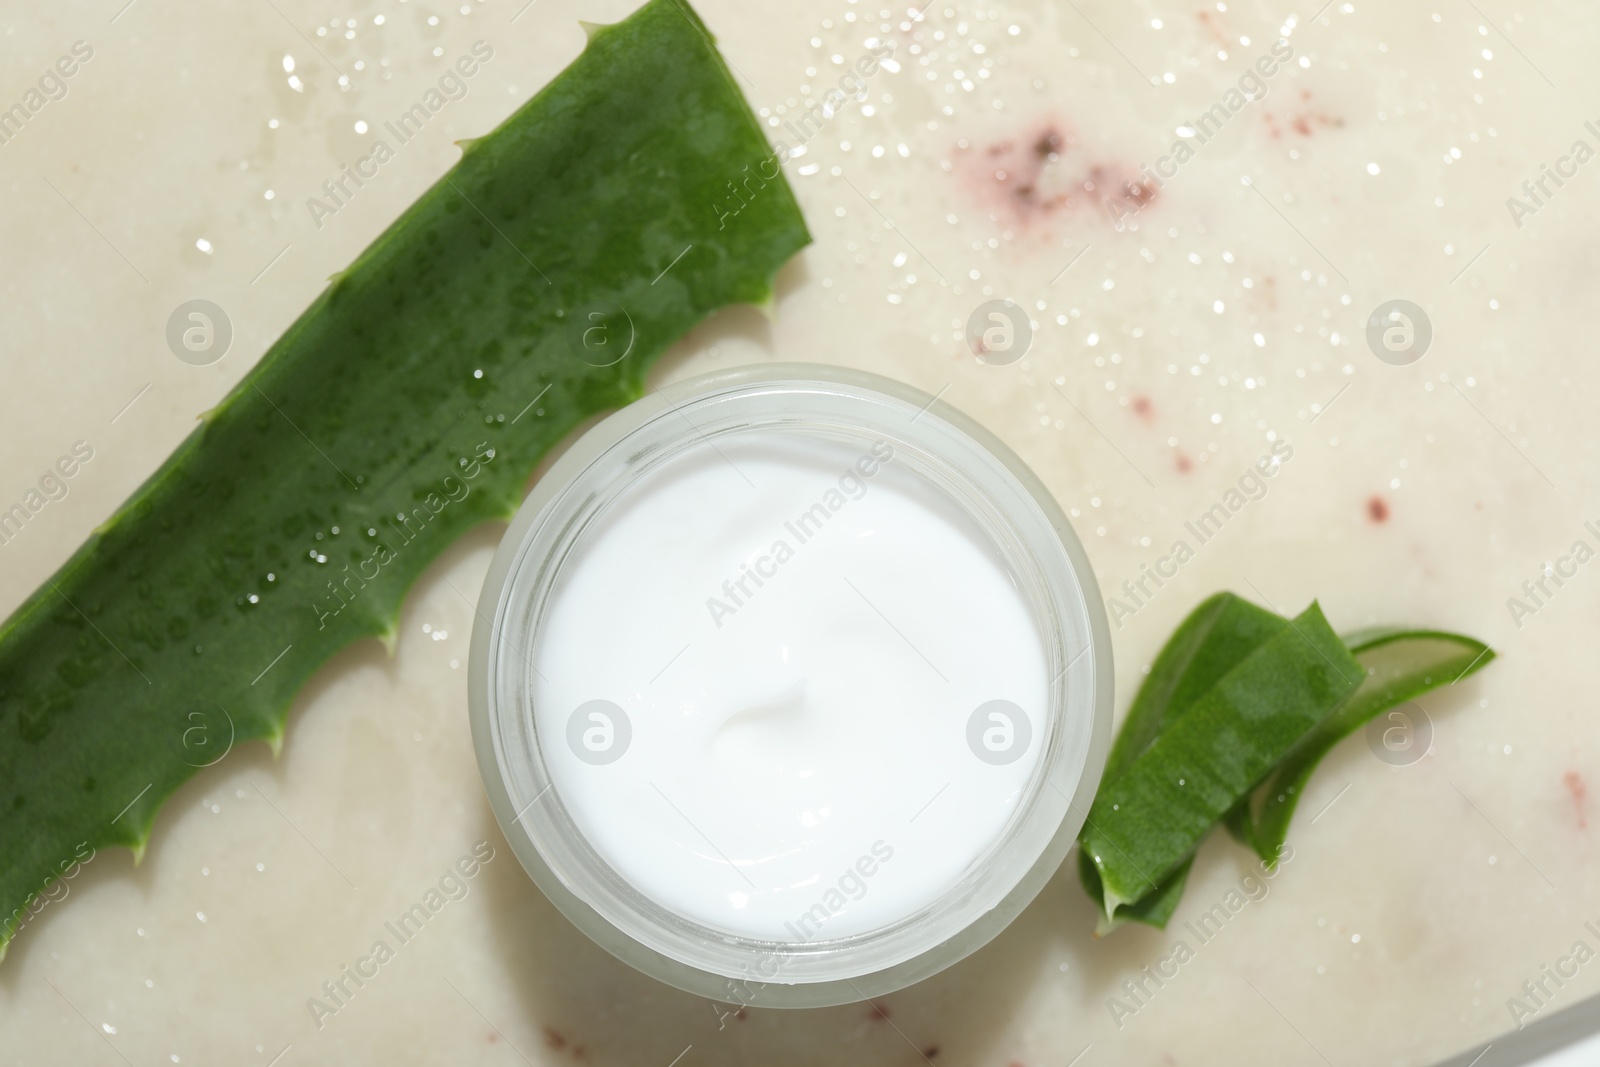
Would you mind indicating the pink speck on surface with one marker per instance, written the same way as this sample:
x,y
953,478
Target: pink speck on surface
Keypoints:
x,y
1579,791
1043,174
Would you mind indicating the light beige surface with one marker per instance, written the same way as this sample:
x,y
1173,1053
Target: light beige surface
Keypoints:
x,y
1167,358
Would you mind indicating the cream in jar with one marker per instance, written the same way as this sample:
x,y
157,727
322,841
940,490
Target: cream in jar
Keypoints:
x,y
765,657
790,685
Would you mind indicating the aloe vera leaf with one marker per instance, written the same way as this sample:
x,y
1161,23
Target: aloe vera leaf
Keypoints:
x,y
1214,638
1150,819
426,381
1210,641
1155,908
1399,665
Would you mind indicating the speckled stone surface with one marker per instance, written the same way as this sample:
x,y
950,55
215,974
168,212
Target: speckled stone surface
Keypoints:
x,y
1182,324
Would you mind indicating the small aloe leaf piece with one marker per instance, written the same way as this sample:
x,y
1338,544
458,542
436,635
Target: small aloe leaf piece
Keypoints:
x,y
1399,665
1211,641
527,290
1155,908
1147,822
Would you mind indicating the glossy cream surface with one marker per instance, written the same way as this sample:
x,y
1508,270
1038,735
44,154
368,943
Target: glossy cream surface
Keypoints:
x,y
754,684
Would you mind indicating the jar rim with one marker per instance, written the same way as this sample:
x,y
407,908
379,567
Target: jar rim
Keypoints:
x,y
993,484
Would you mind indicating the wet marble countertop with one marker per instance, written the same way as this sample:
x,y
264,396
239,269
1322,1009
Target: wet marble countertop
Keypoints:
x,y
1440,155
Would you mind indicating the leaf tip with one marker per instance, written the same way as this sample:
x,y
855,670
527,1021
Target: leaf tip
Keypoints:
x,y
590,29
138,847
389,636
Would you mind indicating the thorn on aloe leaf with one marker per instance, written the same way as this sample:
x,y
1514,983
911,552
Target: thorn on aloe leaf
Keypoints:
x,y
768,306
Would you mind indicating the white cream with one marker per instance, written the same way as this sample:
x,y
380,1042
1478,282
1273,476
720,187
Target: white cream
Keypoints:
x,y
797,696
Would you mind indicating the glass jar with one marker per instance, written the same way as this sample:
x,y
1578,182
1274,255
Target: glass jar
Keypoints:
x,y
521,749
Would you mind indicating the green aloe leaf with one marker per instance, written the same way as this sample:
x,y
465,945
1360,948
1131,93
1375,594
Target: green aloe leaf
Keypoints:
x,y
1400,665
1146,823
1211,641
408,404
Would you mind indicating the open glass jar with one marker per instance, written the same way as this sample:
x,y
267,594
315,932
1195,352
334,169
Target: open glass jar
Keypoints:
x,y
790,685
